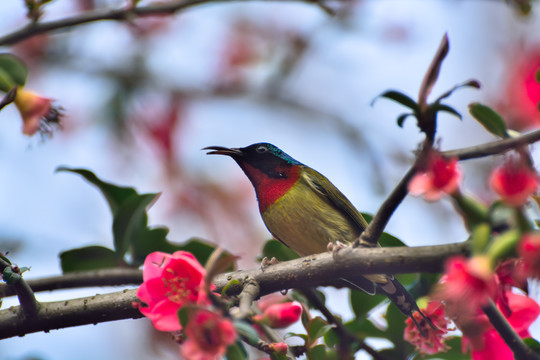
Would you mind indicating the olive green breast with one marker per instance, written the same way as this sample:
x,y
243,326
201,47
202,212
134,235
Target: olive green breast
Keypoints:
x,y
307,218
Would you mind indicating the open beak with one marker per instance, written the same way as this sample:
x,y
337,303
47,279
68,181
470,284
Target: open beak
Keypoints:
x,y
220,150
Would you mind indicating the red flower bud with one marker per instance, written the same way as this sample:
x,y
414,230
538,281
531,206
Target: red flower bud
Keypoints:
x,y
280,315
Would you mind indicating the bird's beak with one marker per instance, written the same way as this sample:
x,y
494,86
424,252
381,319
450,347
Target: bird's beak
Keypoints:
x,y
220,150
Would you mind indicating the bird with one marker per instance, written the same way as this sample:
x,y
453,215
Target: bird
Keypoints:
x,y
302,209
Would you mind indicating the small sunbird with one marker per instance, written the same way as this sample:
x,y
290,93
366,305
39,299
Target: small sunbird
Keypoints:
x,y
305,211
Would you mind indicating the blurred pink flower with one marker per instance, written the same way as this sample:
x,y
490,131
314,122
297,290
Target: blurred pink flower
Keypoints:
x,y
208,336
434,342
529,252
488,344
520,93
441,176
280,315
514,181
467,285
170,281
37,112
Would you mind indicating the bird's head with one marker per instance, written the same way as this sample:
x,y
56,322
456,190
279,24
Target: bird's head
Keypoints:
x,y
268,159
271,171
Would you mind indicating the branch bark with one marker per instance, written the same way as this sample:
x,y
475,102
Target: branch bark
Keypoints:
x,y
105,277
310,271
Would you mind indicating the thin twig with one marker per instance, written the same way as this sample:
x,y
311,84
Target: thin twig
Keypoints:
x,y
29,305
375,228
105,277
510,337
344,335
249,293
121,14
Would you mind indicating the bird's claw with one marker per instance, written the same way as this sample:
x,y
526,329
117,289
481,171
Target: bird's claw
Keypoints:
x,y
265,262
334,247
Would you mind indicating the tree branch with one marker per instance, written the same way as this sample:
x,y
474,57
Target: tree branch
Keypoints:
x,y
105,277
510,337
310,271
29,305
375,228
122,14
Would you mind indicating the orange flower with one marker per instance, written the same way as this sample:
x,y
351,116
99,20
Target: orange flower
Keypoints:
x,y
37,112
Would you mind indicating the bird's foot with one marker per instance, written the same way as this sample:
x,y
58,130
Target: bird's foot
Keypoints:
x,y
334,247
265,262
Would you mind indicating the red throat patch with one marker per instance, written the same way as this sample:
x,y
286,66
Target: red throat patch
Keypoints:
x,y
270,189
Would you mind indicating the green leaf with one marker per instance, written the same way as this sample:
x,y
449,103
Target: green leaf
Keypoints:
x,y
236,351
537,76
316,328
317,352
436,107
130,220
401,118
200,249
150,240
364,328
274,248
291,334
399,97
247,331
14,68
362,303
114,194
533,344
89,258
233,283
469,83
489,119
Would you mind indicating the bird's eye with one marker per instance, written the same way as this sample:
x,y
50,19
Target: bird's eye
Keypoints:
x,y
261,149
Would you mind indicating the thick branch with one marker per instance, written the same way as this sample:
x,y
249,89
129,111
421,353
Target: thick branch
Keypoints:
x,y
310,271
61,314
122,14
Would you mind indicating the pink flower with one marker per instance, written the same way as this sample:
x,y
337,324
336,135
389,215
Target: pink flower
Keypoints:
x,y
37,112
467,285
280,315
208,336
441,176
529,252
170,281
515,181
434,342
488,344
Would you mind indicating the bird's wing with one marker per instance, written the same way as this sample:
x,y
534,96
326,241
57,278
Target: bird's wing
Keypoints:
x,y
323,186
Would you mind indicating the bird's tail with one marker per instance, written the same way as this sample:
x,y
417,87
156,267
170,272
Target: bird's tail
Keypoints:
x,y
404,301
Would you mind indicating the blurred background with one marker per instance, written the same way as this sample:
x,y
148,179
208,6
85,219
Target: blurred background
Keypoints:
x,y
141,99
